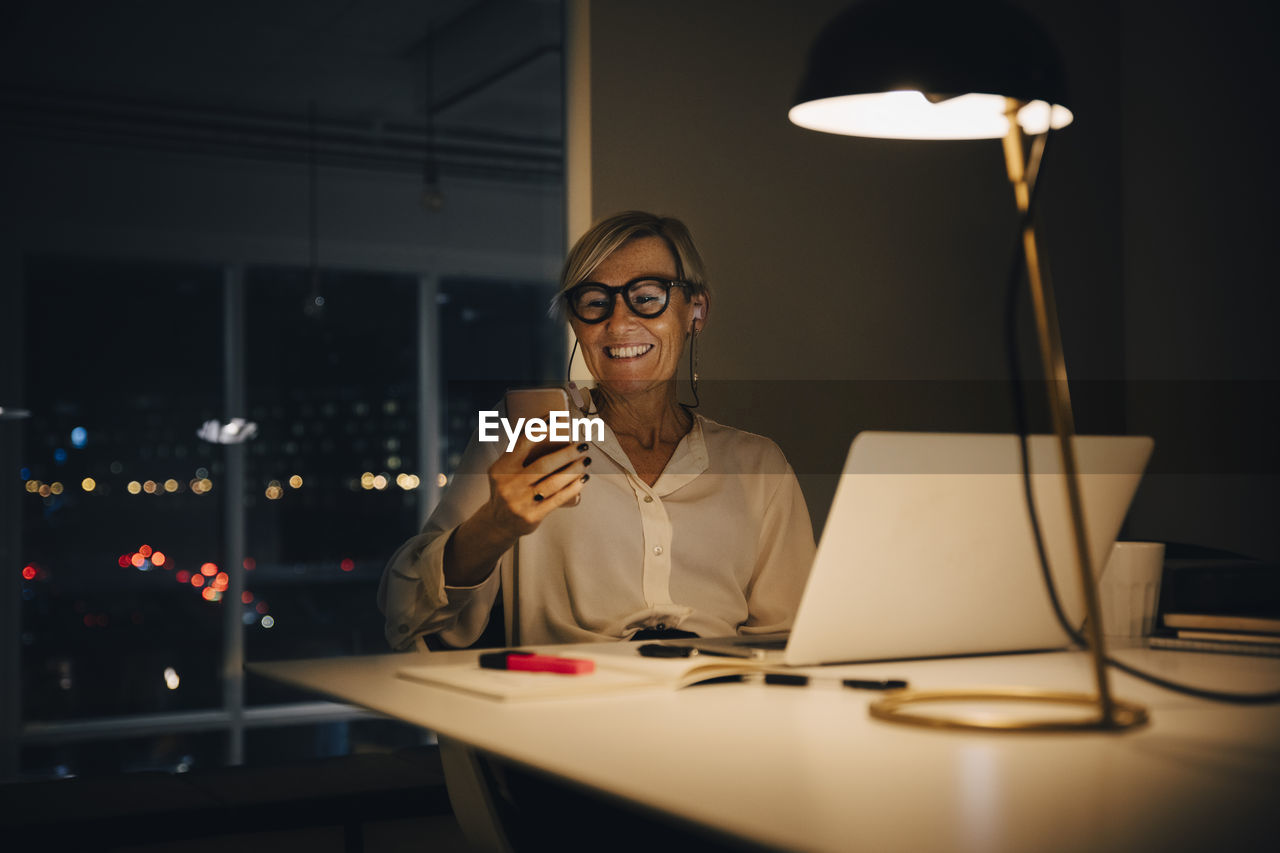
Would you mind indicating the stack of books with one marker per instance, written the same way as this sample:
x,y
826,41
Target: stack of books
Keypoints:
x,y
1213,601
1207,632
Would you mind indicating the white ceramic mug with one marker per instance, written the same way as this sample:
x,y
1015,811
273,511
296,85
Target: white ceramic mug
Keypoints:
x,y
1130,588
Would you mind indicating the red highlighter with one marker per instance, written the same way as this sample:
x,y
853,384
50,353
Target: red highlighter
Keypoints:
x,y
530,662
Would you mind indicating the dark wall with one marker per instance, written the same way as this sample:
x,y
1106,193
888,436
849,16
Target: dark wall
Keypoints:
x,y
857,283
1201,303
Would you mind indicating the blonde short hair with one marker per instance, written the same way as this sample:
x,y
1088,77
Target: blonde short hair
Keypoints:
x,y
607,235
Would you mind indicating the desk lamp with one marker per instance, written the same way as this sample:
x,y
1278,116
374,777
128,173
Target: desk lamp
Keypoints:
x,y
943,69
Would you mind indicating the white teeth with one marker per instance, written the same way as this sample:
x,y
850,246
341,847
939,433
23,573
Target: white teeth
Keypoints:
x,y
628,351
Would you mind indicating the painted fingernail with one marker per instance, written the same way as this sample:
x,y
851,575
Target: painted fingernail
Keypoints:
x,y
582,448
586,477
586,462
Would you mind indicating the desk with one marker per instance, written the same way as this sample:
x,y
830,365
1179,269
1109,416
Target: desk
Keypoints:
x,y
807,769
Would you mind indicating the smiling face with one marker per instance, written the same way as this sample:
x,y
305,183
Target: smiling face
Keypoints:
x,y
626,352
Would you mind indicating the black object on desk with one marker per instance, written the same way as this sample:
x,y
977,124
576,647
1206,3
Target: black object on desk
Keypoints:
x,y
789,679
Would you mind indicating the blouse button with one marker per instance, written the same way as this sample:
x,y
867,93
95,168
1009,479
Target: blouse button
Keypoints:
x,y
648,499
657,549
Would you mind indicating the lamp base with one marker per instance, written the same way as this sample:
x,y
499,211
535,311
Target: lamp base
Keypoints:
x,y
1125,715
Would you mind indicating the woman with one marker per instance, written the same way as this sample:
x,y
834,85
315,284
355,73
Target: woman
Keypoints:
x,y
683,525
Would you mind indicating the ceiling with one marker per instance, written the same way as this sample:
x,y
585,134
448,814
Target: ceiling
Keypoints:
x,y
245,76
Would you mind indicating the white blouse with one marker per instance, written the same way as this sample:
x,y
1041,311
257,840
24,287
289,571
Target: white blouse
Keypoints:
x,y
720,544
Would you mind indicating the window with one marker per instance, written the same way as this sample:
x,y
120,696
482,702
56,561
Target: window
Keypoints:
x,y
171,215
129,550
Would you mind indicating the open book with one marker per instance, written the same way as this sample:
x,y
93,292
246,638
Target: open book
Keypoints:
x,y
614,672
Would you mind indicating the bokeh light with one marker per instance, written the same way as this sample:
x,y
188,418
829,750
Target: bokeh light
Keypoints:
x,y
209,569
88,484
197,581
29,572
171,485
268,621
134,487
347,564
79,437
158,558
171,679
295,482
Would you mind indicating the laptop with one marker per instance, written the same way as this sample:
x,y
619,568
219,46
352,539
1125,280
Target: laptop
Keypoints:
x,y
928,549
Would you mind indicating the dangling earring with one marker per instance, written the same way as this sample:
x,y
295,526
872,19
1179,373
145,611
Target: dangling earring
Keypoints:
x,y
693,369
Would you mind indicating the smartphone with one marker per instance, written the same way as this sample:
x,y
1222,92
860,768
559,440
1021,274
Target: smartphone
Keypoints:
x,y
538,403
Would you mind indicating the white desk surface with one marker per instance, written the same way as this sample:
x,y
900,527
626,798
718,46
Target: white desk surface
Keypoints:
x,y
807,769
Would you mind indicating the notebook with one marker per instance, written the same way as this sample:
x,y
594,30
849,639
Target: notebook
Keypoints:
x,y
928,549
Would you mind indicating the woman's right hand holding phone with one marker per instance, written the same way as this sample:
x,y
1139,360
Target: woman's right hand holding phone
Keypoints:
x,y
520,497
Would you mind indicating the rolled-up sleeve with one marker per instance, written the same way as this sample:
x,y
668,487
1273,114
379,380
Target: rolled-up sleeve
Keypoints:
x,y
412,595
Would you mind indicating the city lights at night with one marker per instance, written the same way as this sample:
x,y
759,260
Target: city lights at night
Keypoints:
x,y
134,532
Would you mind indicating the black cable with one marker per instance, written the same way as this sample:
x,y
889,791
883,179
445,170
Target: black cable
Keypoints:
x,y
1020,416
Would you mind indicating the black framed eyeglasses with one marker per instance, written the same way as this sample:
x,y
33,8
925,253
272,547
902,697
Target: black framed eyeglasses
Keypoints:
x,y
592,302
